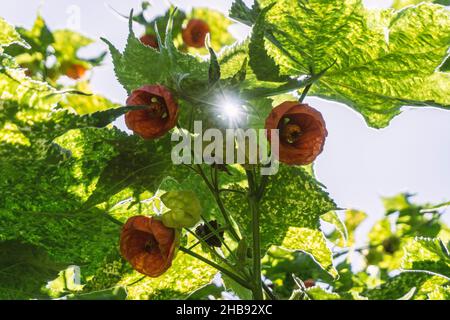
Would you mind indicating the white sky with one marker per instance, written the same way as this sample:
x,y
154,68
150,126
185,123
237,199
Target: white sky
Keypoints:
x,y
358,165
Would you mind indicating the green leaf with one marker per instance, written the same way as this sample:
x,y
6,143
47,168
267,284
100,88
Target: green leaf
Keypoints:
x,y
138,164
445,67
313,243
141,65
318,293
261,63
85,104
400,285
66,45
8,35
240,12
283,222
427,255
214,67
396,203
383,60
341,233
62,121
232,58
211,289
399,4
258,111
279,264
116,293
186,275
25,270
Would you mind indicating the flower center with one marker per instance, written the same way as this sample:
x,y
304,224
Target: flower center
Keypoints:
x,y
291,132
197,34
151,244
157,109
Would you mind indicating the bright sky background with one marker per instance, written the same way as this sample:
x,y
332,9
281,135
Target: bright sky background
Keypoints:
x,y
358,164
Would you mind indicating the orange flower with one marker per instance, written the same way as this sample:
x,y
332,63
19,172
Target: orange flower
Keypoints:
x,y
147,245
195,33
149,40
75,71
302,132
160,116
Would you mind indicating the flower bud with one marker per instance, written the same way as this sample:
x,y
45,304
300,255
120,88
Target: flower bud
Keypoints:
x,y
184,209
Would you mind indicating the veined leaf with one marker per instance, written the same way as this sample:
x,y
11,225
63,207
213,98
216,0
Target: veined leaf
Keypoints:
x,y
304,202
85,104
141,65
261,63
427,255
313,243
400,285
9,35
25,270
383,60
340,234
139,164
399,4
240,12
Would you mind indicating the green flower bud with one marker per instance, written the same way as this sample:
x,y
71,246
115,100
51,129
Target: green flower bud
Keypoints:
x,y
184,209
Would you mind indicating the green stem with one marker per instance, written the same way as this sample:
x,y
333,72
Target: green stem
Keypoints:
x,y
226,272
305,93
254,209
269,292
214,190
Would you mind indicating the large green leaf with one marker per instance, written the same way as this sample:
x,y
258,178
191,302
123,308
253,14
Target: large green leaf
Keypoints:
x,y
25,270
427,255
381,60
186,275
138,164
400,285
399,4
289,212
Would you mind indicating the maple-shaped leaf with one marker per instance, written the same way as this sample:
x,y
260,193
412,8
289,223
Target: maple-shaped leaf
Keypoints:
x,y
378,61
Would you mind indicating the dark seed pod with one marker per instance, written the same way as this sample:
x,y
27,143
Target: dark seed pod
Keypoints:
x,y
206,232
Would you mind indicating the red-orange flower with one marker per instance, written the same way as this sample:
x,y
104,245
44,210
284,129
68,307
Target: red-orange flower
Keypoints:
x,y
148,245
309,283
149,40
302,132
160,116
194,34
75,71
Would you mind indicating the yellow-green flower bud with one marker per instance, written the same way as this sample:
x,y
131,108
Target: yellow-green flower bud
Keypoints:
x,y
184,209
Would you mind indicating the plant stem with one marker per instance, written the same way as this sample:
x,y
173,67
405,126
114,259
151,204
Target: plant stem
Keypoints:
x,y
269,292
226,272
215,191
305,93
254,209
